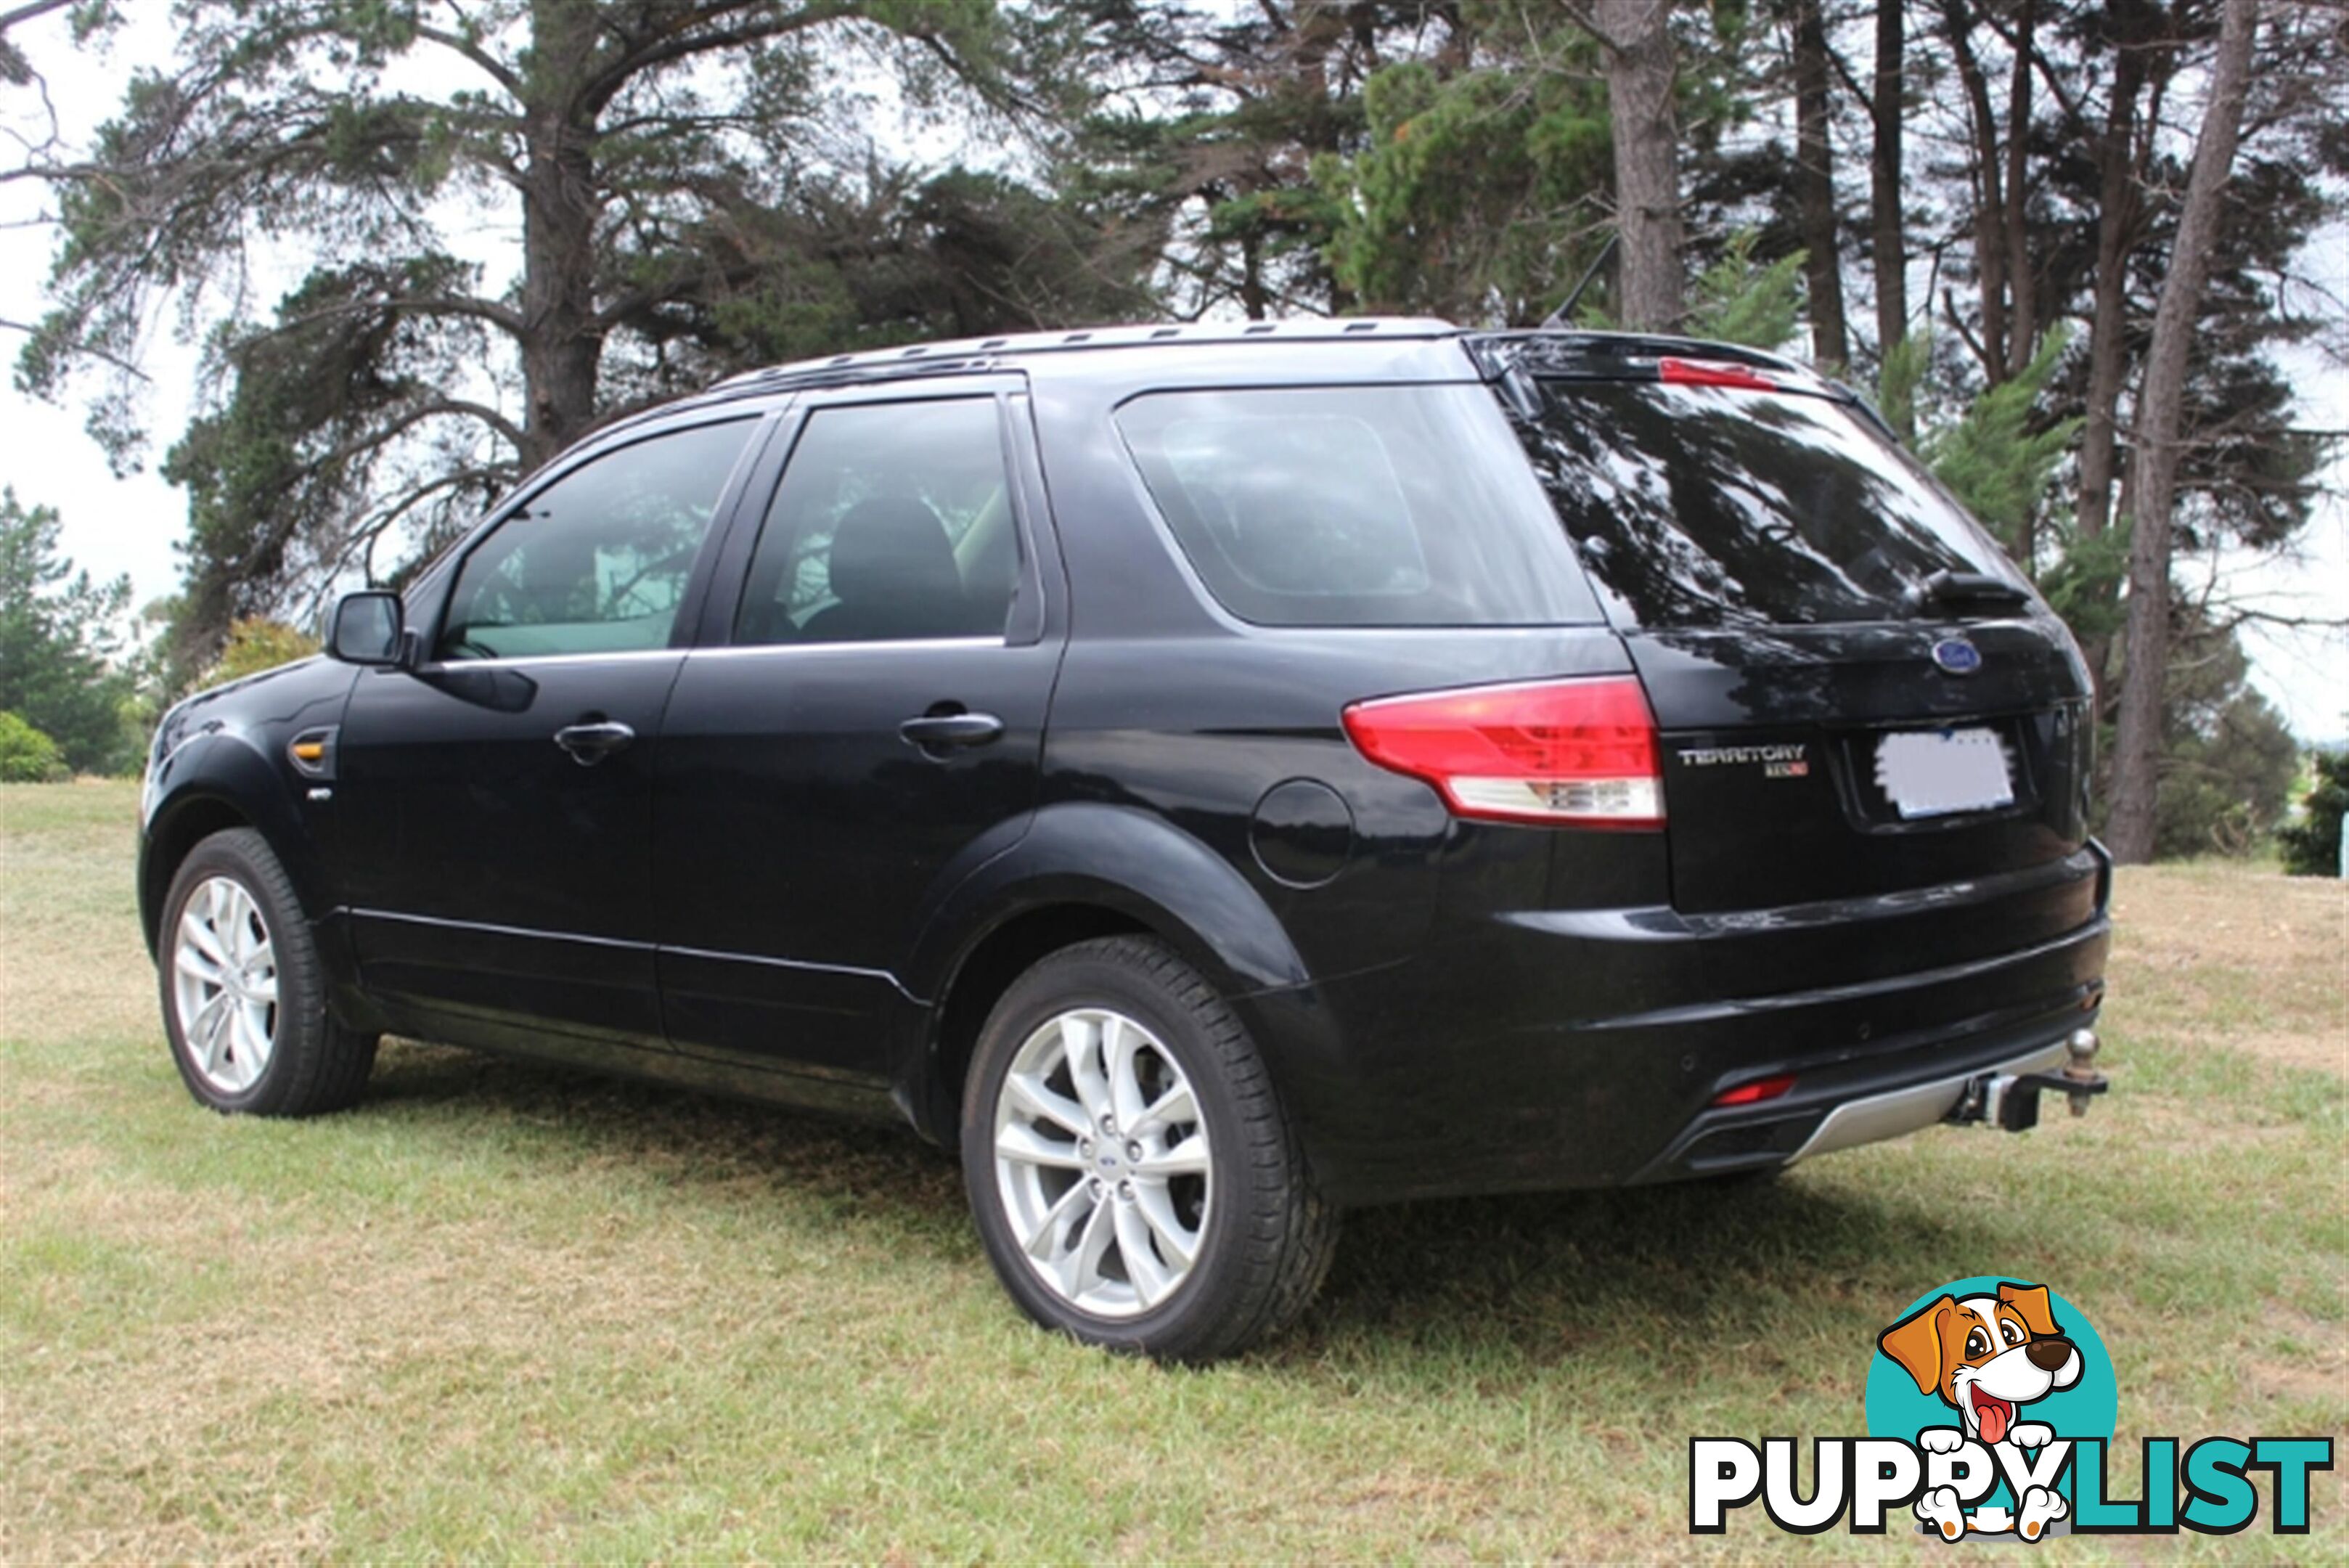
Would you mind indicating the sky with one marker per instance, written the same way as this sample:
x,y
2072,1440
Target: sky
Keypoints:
x,y
131,523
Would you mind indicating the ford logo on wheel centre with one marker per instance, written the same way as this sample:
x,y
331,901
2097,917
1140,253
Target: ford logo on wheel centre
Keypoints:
x,y
1957,656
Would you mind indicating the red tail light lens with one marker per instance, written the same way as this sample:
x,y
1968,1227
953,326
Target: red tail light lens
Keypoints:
x,y
1554,751
1758,1090
1699,373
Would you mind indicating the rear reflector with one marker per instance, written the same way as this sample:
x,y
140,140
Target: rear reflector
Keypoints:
x,y
1759,1090
1558,751
1699,373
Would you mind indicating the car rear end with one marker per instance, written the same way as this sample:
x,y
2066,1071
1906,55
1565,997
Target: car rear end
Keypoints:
x,y
1873,747
1754,793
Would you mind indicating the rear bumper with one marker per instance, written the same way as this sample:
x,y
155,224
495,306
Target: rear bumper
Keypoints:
x,y
1875,1118
1855,1110
1582,1048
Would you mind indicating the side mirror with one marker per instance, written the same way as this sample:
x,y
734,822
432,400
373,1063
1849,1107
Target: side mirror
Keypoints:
x,y
366,629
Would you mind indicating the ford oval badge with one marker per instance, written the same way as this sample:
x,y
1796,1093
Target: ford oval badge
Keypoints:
x,y
1957,656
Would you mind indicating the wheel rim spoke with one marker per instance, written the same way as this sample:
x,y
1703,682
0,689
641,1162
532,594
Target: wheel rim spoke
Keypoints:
x,y
1028,1146
1081,1049
1172,1109
197,934
1051,1238
209,1029
1103,1162
1178,1245
1038,1099
195,964
1121,1050
1151,1279
1188,1158
1079,1268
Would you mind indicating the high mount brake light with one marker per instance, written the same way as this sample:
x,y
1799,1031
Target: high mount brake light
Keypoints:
x,y
1755,1091
1558,753
1701,373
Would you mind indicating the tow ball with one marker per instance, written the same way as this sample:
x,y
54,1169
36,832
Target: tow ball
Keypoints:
x,y
2011,1100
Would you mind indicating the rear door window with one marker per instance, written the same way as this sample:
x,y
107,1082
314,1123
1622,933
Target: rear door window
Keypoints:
x,y
1695,506
893,522
1396,505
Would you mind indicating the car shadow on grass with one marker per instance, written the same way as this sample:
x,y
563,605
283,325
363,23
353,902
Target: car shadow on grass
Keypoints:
x,y
1534,1276
1654,1271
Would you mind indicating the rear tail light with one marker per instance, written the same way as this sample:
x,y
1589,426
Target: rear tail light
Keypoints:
x,y
1554,751
1701,373
1755,1091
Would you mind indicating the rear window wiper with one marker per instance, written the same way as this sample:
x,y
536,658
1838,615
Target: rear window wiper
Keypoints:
x,y
1947,589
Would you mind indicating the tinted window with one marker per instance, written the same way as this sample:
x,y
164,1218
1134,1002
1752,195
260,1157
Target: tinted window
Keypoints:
x,y
1355,506
892,521
597,561
1694,505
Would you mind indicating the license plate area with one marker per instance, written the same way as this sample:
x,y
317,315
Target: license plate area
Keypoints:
x,y
1920,775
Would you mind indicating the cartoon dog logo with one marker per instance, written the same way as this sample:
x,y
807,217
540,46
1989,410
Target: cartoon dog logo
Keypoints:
x,y
1986,1356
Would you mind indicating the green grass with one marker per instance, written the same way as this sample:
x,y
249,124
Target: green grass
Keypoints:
x,y
505,1311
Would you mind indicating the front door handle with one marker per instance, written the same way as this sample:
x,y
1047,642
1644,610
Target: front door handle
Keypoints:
x,y
938,733
591,742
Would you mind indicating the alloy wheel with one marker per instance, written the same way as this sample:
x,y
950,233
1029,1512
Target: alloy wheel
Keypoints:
x,y
224,982
1103,1163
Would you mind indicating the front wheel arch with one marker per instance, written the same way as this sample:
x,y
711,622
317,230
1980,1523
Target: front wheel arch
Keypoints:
x,y
170,839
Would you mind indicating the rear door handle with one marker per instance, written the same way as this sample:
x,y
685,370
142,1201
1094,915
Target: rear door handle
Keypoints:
x,y
938,733
591,743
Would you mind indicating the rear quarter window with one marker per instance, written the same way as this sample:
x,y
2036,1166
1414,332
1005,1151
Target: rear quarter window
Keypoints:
x,y
1695,506
1397,505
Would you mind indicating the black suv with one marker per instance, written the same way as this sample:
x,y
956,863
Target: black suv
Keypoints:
x,y
1214,775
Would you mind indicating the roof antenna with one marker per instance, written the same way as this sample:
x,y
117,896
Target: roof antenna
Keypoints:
x,y
1563,316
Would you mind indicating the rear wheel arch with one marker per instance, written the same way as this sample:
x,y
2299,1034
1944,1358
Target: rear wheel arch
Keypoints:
x,y
1081,870
993,962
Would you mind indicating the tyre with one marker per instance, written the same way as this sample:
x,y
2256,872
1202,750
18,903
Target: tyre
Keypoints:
x,y
244,999
1131,1175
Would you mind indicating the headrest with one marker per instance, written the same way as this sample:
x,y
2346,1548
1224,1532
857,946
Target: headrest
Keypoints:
x,y
890,548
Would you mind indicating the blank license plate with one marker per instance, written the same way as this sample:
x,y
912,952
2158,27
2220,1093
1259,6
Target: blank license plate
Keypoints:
x,y
1936,772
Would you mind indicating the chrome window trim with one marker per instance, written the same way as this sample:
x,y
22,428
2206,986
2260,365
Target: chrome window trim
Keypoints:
x,y
739,649
506,661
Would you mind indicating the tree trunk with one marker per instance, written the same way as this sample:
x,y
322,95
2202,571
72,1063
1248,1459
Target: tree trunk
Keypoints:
x,y
1890,239
1989,201
1640,69
562,338
1815,197
2115,231
2022,326
2154,457
563,344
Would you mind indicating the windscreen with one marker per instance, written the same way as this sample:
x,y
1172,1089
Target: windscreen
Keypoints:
x,y
1693,506
1394,506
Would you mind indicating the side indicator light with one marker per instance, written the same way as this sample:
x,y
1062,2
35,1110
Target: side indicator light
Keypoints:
x,y
1758,1090
310,751
1576,752
1701,373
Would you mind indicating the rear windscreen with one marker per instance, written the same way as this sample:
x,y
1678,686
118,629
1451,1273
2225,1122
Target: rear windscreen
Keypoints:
x,y
1395,505
1695,505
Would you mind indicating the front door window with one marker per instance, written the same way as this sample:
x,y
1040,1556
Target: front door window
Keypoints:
x,y
597,562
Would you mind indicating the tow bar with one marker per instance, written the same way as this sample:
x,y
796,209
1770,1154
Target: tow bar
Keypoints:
x,y
2011,1100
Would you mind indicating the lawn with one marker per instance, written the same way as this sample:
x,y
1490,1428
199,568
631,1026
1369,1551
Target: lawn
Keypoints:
x,y
506,1310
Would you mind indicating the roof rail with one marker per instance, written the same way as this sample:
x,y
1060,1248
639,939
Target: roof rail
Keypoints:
x,y
980,353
